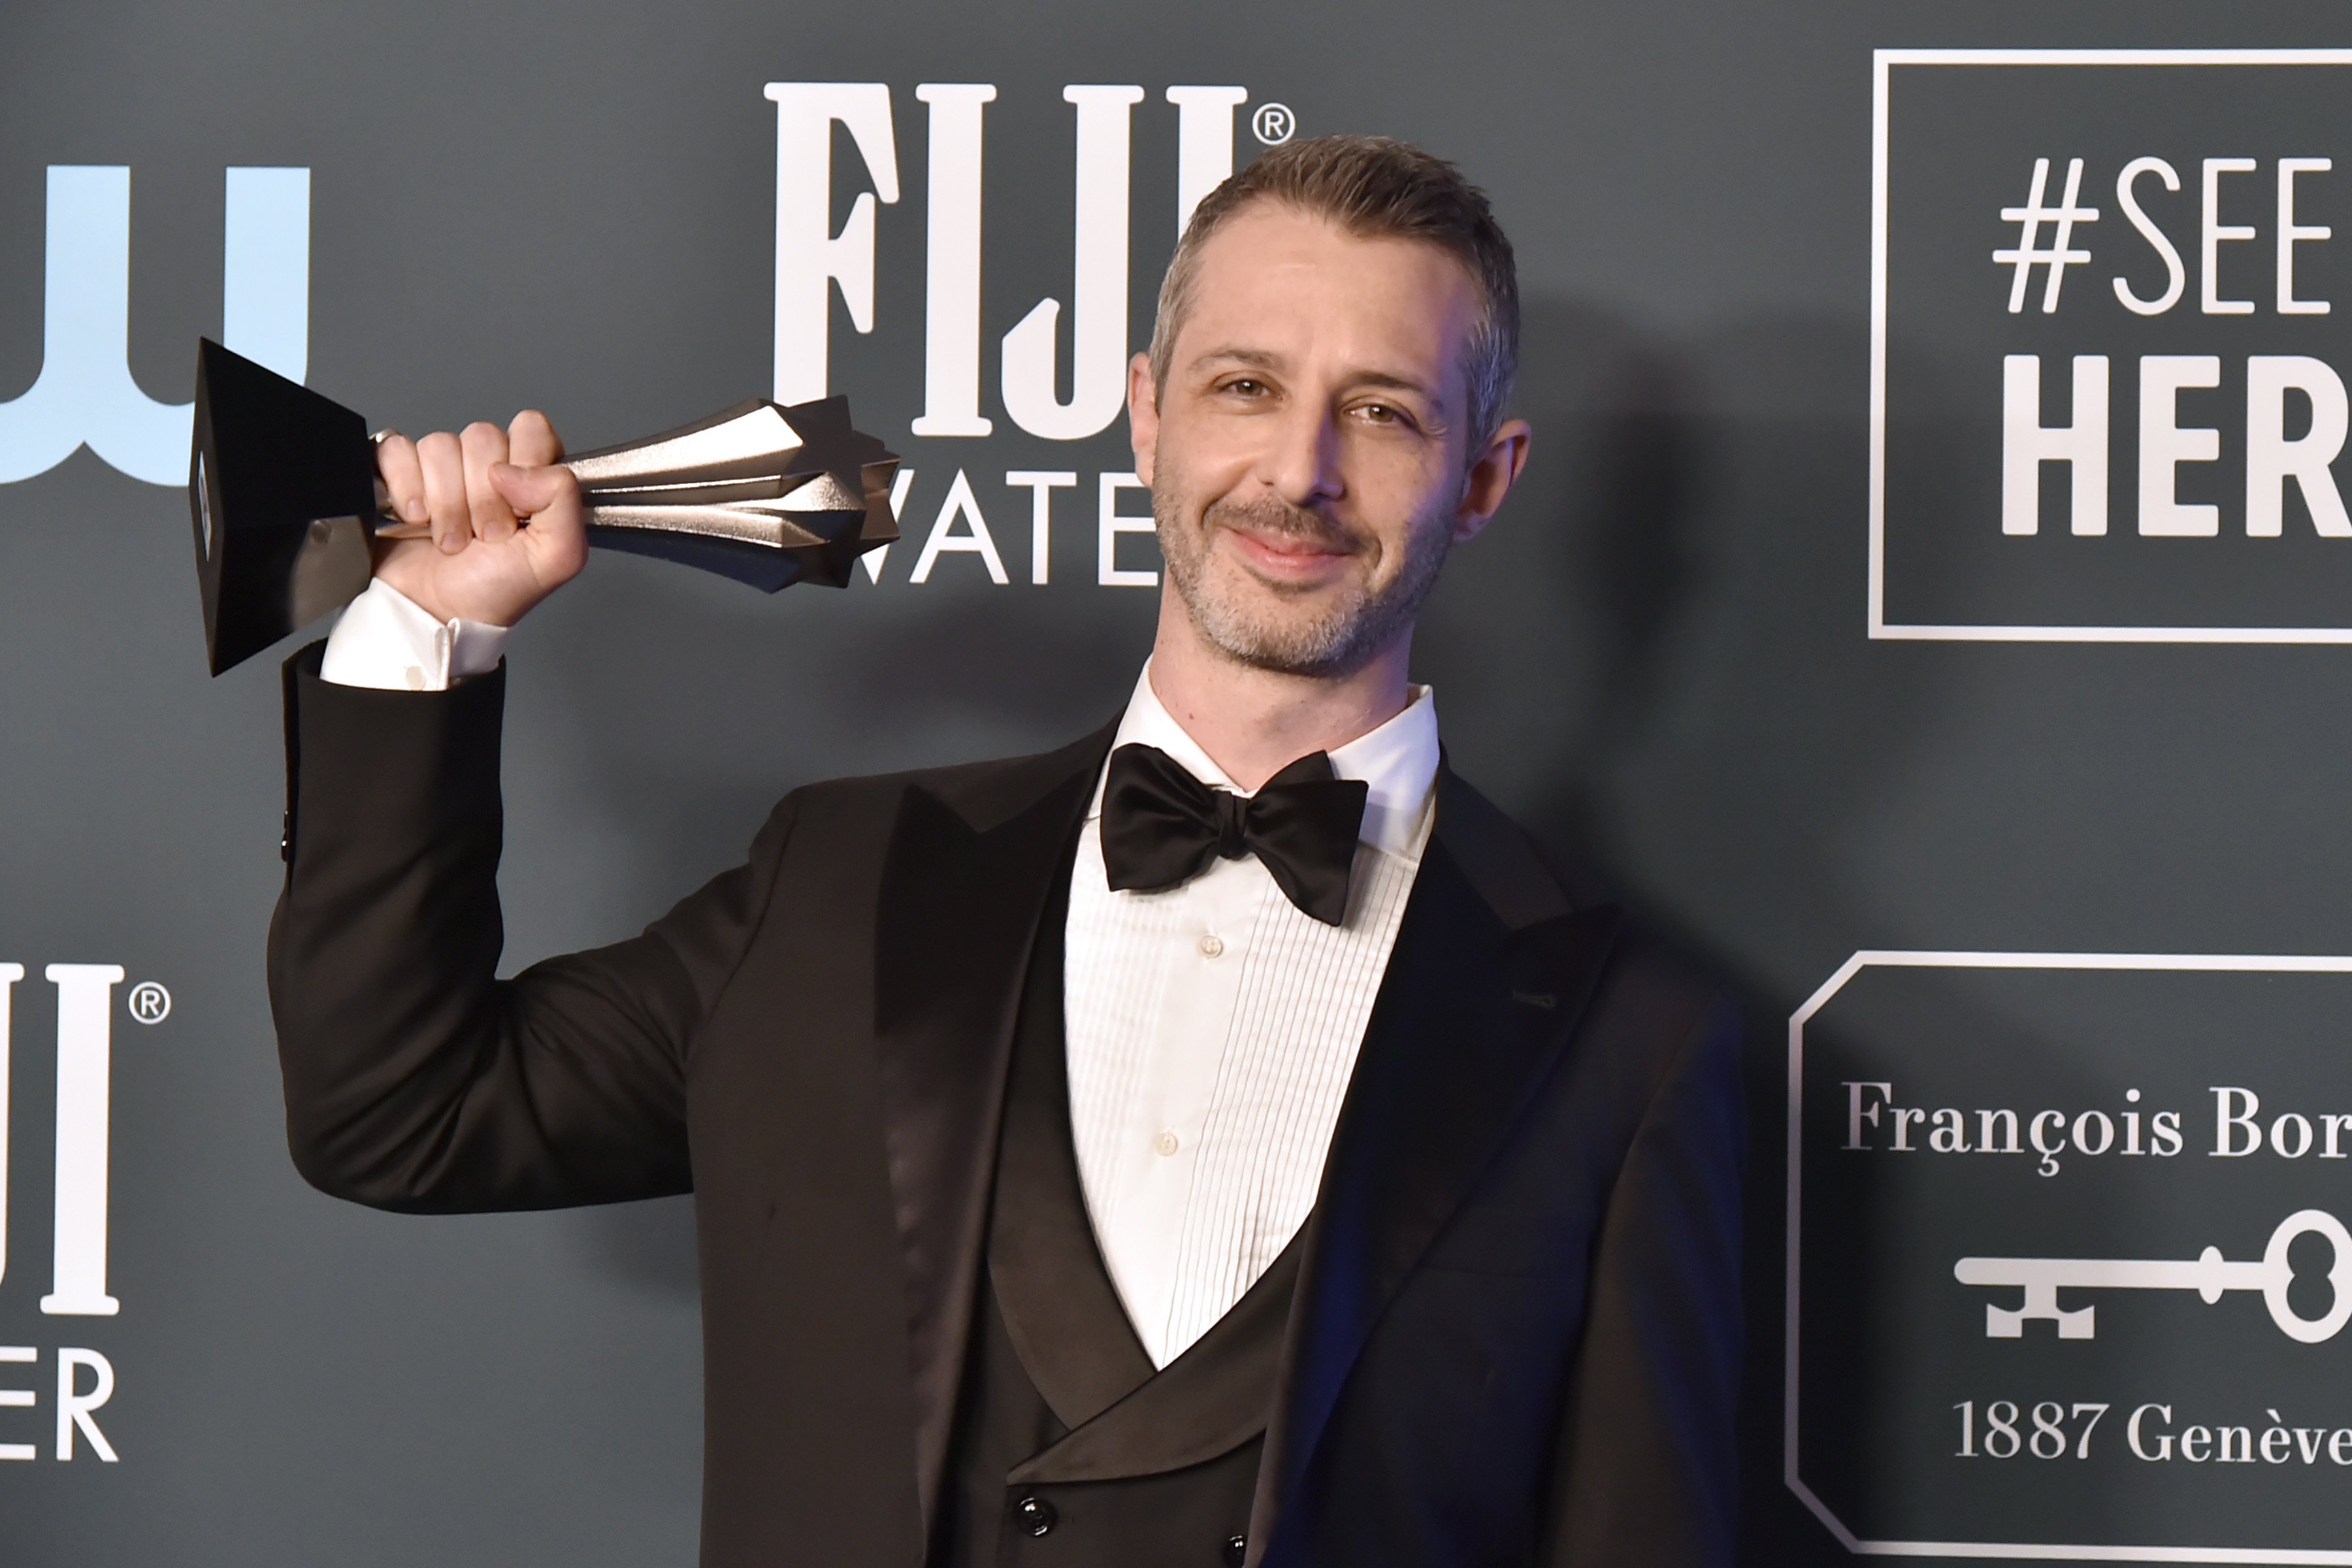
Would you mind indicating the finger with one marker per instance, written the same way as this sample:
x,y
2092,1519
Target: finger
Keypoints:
x,y
537,492
531,441
557,534
404,476
443,460
485,445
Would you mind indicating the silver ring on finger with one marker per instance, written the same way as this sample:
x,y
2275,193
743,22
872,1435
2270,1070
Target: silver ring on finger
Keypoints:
x,y
386,434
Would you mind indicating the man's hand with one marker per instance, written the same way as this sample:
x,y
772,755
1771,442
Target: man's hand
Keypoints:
x,y
508,527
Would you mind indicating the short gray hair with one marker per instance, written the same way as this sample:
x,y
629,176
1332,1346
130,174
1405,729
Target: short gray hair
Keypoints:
x,y
1375,188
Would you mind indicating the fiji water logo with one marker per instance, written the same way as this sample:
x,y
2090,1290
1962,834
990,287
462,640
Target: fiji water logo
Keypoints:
x,y
1074,338
813,259
52,1393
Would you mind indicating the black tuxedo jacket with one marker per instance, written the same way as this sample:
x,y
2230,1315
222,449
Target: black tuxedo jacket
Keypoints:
x,y
1515,1330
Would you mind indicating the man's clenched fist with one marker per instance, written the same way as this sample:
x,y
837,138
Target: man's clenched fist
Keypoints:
x,y
507,523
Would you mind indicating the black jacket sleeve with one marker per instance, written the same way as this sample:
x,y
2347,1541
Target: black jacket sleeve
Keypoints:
x,y
416,1078
1646,1471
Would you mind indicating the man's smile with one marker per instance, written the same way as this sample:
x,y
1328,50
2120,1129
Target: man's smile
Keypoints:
x,y
1285,555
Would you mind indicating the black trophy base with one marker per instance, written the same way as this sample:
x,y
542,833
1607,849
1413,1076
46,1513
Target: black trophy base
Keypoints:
x,y
281,494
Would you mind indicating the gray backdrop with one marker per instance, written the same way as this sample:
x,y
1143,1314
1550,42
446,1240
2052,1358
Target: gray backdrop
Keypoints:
x,y
1660,658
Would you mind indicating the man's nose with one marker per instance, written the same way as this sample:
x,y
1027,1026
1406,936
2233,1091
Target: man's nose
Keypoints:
x,y
1302,464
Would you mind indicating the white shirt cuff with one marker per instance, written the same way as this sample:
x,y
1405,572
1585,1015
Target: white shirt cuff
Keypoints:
x,y
386,640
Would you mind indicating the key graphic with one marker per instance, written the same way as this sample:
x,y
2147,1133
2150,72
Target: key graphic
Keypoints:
x,y
2210,1274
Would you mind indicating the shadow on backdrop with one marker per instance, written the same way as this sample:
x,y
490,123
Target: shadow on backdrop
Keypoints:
x,y
1684,572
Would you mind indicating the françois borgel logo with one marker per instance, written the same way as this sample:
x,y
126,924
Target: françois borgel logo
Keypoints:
x,y
51,1392
2110,293
2069,1276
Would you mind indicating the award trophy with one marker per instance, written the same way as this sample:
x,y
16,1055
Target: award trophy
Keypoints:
x,y
283,491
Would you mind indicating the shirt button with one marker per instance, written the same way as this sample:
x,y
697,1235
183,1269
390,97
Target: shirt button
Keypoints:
x,y
1165,1143
1034,1514
415,677
1212,946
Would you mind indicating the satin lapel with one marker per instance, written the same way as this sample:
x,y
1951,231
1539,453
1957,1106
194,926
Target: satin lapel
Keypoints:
x,y
962,893
1490,973
1053,1290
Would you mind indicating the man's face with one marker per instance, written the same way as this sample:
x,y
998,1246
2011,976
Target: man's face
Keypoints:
x,y
1308,455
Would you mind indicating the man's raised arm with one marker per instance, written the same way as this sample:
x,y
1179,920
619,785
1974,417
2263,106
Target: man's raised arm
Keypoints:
x,y
416,1078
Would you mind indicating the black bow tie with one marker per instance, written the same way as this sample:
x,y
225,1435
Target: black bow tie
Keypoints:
x,y
1161,825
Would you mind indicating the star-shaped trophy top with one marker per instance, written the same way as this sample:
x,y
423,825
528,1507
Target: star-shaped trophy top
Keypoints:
x,y
786,494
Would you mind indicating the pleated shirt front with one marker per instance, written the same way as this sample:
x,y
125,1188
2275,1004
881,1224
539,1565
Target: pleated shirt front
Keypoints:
x,y
1212,1028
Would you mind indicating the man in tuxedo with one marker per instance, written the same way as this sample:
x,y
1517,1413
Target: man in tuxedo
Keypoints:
x,y
1224,1140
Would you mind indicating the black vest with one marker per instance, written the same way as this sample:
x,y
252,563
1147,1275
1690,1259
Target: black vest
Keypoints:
x,y
1069,1448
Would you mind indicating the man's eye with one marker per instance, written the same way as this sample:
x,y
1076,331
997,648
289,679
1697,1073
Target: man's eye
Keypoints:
x,y
1246,386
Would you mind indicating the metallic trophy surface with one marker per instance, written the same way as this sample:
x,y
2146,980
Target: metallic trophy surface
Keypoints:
x,y
283,493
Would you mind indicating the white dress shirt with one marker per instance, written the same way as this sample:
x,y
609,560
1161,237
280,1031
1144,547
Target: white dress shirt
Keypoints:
x,y
388,640
1212,1029
1212,1026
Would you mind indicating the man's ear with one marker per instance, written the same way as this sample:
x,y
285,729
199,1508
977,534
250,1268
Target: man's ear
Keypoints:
x,y
1496,470
1142,414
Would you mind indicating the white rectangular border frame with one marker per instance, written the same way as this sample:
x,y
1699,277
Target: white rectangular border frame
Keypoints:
x,y
1880,958
1883,63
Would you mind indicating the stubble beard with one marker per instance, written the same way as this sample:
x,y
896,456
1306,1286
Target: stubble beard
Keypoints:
x,y
1267,626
